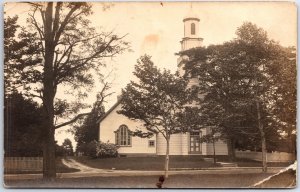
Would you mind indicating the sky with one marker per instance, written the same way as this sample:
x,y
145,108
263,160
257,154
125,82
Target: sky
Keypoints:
x,y
156,29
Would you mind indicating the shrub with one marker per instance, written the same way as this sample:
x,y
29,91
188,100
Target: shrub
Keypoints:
x,y
106,150
97,149
91,149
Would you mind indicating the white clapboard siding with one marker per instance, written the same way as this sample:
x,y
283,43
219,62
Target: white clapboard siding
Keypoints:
x,y
179,143
113,121
176,147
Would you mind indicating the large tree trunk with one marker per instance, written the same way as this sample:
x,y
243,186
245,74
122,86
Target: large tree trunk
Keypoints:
x,y
291,142
167,158
214,148
231,149
263,138
49,168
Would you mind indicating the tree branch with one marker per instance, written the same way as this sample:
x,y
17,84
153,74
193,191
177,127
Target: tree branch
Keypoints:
x,y
72,120
56,18
40,32
65,22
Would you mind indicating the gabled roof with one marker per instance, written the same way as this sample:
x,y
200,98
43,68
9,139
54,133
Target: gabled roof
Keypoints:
x,y
109,111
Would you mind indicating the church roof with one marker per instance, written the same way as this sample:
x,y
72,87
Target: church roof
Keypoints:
x,y
191,15
109,111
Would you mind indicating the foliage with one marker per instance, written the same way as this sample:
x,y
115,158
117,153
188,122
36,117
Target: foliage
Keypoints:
x,y
90,149
161,101
67,51
21,52
97,149
105,150
23,132
241,83
59,150
233,75
67,145
89,129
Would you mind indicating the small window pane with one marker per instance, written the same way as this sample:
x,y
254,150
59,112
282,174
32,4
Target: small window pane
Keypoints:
x,y
193,30
151,143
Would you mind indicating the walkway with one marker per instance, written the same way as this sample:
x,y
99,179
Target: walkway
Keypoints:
x,y
71,163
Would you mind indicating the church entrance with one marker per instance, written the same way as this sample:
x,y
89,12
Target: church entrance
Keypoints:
x,y
195,144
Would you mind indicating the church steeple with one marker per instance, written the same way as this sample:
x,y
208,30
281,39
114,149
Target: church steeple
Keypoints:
x,y
191,37
190,40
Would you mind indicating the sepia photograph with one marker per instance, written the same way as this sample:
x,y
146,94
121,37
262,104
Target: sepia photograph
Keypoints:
x,y
169,95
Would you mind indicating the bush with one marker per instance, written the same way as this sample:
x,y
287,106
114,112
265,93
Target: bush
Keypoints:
x,y
97,149
106,150
91,149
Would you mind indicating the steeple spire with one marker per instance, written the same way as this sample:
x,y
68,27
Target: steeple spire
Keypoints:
x,y
191,37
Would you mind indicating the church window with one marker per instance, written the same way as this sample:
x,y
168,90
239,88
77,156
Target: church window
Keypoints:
x,y
193,29
123,136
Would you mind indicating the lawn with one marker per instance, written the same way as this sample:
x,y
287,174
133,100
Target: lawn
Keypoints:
x,y
157,162
253,163
60,167
288,177
146,163
174,181
243,162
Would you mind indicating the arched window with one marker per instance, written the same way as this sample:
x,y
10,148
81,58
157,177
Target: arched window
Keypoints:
x,y
193,29
123,136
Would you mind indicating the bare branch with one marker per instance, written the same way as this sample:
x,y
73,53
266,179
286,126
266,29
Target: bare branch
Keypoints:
x,y
34,95
65,22
72,120
56,18
34,4
40,31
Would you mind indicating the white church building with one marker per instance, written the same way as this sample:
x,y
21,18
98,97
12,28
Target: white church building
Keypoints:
x,y
116,128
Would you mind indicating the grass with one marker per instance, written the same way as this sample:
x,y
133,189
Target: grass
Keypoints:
x,y
60,167
253,163
174,181
157,162
243,162
145,163
288,177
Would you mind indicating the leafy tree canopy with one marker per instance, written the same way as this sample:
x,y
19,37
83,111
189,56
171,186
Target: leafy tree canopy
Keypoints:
x,y
236,76
161,100
23,131
67,51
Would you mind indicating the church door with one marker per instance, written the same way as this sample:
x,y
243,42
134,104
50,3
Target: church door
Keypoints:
x,y
195,145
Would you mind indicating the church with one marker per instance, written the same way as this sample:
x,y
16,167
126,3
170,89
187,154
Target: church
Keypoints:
x,y
115,128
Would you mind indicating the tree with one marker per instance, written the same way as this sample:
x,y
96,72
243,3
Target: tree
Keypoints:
x,y
22,126
262,54
72,51
88,131
67,145
161,100
221,101
21,52
238,81
284,70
